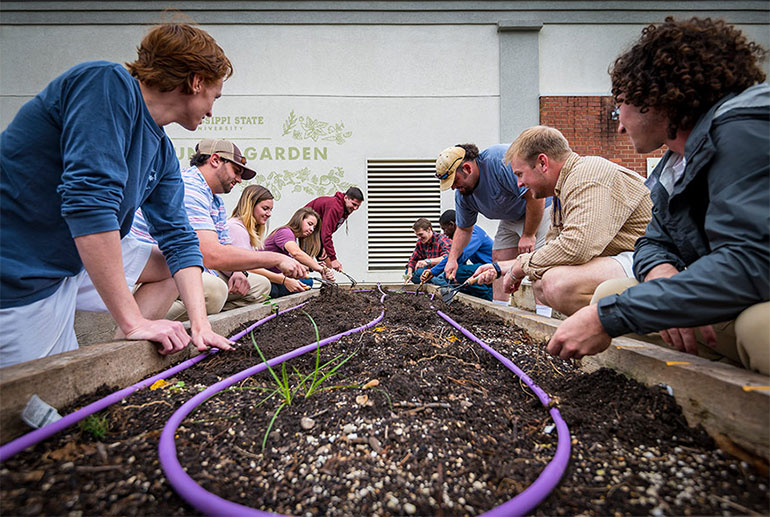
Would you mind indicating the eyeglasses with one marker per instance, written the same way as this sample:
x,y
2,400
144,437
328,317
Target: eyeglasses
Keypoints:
x,y
447,173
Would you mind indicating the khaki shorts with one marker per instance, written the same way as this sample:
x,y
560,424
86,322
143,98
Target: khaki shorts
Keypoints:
x,y
509,232
135,256
626,261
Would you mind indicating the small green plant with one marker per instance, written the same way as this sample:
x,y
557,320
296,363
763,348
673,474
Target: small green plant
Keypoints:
x,y
179,386
96,425
272,303
284,388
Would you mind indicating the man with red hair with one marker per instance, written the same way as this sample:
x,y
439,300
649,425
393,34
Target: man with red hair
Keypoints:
x,y
77,160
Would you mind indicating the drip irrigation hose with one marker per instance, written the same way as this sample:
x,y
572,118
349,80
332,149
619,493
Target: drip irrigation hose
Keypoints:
x,y
533,495
212,504
13,447
185,486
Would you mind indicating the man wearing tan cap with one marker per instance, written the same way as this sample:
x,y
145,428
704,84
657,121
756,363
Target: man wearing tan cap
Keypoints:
x,y
485,185
215,168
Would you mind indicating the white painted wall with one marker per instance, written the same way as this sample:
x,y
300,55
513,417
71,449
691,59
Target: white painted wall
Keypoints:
x,y
401,92
574,59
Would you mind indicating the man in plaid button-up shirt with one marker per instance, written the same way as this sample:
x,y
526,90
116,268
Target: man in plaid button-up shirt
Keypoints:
x,y
430,249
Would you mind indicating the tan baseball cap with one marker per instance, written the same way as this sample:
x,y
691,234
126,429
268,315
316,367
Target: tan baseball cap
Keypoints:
x,y
228,151
446,165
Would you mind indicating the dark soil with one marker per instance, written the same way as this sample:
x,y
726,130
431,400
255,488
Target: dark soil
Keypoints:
x,y
418,420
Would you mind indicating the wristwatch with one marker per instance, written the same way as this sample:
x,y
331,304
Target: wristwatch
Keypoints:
x,y
497,268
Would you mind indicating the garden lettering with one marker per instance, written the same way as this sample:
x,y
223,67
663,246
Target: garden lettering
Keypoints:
x,y
268,153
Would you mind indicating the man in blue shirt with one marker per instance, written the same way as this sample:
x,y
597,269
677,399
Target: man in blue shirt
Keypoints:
x,y
98,149
478,251
484,184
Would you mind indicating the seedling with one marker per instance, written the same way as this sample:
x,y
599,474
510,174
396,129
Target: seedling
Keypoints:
x,y
96,425
271,302
284,388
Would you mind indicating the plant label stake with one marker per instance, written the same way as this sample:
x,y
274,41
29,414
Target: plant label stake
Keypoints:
x,y
448,293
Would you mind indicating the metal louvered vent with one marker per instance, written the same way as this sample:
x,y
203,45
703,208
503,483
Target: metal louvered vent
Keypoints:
x,y
400,192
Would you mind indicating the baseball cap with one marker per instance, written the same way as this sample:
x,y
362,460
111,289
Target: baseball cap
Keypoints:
x,y
228,151
446,165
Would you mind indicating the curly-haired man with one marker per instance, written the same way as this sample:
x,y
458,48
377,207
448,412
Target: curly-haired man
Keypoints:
x,y
696,87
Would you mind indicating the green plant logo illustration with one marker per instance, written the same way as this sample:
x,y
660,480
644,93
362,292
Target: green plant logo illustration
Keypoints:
x,y
308,128
302,180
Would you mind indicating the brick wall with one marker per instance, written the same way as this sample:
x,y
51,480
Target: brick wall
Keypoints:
x,y
587,124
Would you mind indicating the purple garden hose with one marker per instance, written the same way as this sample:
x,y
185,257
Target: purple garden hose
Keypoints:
x,y
185,486
12,448
528,500
212,504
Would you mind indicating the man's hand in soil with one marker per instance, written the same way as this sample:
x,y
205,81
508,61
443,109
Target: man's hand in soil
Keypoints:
x,y
683,339
579,335
170,335
292,269
238,284
450,269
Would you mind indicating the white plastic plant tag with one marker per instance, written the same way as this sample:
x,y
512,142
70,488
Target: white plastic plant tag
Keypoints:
x,y
543,310
38,413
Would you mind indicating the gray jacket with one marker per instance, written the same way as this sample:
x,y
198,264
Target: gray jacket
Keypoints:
x,y
714,227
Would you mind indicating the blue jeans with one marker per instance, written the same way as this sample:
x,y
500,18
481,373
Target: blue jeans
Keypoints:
x,y
464,272
439,280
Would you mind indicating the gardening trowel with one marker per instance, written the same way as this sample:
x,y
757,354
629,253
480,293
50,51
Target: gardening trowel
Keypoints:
x,y
448,293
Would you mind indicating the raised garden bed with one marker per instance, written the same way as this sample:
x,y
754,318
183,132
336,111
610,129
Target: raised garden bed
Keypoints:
x,y
440,428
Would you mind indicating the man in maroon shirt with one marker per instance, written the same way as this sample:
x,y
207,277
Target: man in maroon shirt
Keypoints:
x,y
334,210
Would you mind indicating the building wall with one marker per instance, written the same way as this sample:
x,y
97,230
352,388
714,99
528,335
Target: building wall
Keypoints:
x,y
588,125
320,87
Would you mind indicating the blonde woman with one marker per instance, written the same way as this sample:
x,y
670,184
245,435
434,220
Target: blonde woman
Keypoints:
x,y
248,222
300,239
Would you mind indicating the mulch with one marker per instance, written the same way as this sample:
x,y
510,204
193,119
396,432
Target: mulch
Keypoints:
x,y
418,420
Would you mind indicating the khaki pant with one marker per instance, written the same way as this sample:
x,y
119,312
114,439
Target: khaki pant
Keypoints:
x,y
744,341
218,299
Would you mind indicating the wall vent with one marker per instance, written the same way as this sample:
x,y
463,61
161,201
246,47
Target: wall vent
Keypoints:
x,y
400,191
